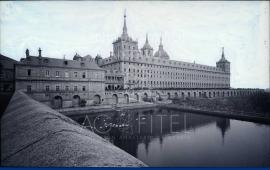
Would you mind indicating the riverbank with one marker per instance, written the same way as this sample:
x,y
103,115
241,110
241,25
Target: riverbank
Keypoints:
x,y
34,135
233,115
104,108
221,107
250,108
249,104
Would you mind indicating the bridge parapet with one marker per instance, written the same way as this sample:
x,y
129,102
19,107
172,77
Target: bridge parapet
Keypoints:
x,y
33,134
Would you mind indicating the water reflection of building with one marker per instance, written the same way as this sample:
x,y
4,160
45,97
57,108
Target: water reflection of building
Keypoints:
x,y
224,125
127,133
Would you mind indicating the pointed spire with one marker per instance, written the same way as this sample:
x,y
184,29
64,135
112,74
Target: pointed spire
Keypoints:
x,y
125,25
223,56
223,59
160,44
146,44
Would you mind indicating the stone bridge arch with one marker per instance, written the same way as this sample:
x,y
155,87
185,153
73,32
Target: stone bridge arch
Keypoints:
x,y
57,102
114,99
76,100
145,96
137,97
97,99
126,98
183,95
176,95
158,96
169,95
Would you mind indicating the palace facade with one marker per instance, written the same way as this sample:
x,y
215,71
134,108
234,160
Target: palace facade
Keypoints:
x,y
128,75
148,70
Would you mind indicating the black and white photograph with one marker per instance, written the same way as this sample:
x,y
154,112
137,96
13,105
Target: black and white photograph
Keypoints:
x,y
135,83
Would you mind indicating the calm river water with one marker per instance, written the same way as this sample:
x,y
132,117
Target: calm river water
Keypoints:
x,y
164,137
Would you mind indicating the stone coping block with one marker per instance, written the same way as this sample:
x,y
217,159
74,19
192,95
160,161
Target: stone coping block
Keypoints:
x,y
33,134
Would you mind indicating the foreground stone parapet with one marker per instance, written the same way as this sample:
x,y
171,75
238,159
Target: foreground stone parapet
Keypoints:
x,y
32,134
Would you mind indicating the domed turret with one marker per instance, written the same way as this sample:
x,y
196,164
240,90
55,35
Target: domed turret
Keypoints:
x,y
161,53
147,50
88,58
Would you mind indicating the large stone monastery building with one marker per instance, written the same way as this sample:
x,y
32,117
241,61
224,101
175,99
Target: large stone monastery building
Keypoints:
x,y
129,75
145,69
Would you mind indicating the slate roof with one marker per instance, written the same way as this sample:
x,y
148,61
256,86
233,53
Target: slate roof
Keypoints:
x,y
79,63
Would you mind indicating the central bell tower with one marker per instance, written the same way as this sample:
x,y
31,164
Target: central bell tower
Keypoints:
x,y
124,46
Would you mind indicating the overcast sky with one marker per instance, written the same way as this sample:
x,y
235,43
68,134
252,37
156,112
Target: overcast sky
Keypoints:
x,y
191,31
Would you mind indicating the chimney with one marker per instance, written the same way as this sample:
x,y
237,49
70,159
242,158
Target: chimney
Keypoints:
x,y
27,52
39,52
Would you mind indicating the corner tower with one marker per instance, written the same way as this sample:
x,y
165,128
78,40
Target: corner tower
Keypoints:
x,y
223,63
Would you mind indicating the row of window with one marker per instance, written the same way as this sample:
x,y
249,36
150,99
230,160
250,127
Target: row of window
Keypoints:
x,y
169,69
114,78
158,67
184,84
125,46
183,76
57,88
57,74
194,66
151,73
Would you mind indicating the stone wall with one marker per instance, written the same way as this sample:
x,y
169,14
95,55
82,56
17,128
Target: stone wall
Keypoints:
x,y
32,134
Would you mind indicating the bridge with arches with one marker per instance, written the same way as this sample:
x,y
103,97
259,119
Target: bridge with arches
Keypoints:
x,y
136,96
